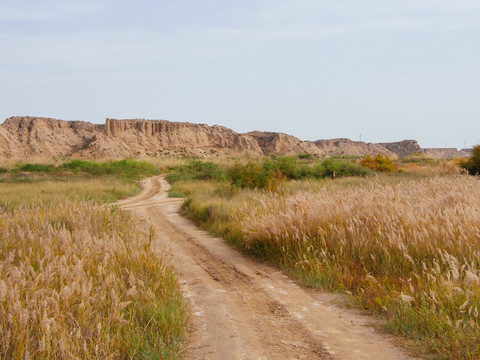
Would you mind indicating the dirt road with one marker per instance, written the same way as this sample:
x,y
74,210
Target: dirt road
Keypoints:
x,y
245,310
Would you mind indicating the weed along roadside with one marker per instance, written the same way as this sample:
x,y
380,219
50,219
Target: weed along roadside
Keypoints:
x,y
80,279
402,243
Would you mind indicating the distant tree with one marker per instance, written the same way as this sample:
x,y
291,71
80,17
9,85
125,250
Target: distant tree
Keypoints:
x,y
472,165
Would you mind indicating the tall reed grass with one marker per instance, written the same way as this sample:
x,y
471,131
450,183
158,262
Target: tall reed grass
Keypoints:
x,y
410,251
79,280
405,246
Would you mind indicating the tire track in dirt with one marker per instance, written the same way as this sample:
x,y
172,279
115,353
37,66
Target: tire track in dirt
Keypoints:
x,y
245,310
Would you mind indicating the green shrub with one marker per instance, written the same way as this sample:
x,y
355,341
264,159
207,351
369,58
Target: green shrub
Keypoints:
x,y
27,167
125,168
3,170
472,165
196,170
88,167
274,170
305,156
249,175
132,168
287,165
206,170
335,168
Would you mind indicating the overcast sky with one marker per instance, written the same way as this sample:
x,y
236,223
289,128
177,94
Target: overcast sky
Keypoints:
x,y
317,69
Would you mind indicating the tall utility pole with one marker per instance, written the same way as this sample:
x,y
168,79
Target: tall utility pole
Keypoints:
x,y
360,137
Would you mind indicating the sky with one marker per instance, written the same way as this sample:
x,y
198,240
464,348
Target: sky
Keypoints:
x,y
375,70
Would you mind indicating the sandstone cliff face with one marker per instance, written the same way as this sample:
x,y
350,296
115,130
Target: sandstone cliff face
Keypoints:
x,y
27,137
5,143
148,137
23,138
352,148
403,148
272,143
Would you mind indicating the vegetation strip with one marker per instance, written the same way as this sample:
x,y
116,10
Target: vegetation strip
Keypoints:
x,y
80,280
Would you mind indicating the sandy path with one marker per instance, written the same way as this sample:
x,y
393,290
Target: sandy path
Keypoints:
x,y
245,310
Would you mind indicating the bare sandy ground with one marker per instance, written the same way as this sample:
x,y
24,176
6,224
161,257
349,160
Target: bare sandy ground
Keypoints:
x,y
241,309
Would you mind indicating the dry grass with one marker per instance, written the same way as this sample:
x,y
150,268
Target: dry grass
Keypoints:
x,y
434,167
405,246
51,191
79,280
410,251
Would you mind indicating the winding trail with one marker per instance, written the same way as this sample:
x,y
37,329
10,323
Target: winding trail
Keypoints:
x,y
245,310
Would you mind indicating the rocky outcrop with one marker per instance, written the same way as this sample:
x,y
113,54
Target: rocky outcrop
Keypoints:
x,y
403,148
148,137
272,143
147,128
28,137
23,137
351,148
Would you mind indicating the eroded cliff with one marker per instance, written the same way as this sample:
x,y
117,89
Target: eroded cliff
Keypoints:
x,y
32,137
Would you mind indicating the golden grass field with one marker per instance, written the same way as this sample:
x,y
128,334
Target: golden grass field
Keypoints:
x,y
405,246
411,251
79,279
